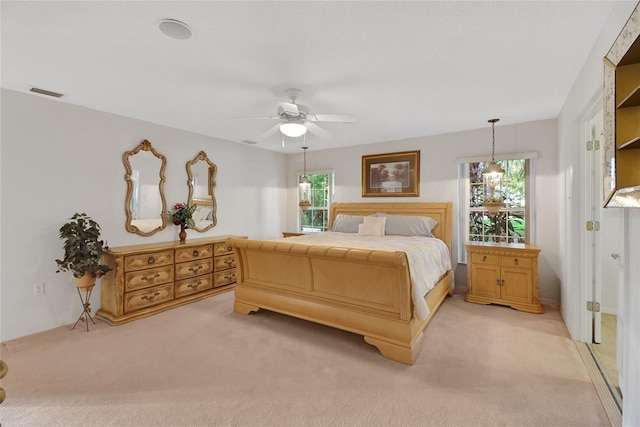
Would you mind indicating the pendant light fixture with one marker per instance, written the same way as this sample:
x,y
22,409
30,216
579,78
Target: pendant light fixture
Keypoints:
x,y
304,185
492,178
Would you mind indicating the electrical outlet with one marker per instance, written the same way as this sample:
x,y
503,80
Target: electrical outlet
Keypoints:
x,y
38,289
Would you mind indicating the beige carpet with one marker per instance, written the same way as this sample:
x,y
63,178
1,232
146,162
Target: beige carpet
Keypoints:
x,y
203,365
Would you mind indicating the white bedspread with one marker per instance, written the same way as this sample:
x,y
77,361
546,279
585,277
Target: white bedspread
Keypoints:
x,y
429,258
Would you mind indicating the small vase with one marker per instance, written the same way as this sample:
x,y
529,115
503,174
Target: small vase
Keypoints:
x,y
182,234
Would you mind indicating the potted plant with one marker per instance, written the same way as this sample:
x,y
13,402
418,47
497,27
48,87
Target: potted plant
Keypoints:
x,y
82,250
182,215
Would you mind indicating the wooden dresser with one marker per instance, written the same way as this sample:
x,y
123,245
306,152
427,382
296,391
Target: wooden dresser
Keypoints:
x,y
150,278
504,274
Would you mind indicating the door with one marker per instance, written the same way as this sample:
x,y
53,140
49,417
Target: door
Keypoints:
x,y
602,248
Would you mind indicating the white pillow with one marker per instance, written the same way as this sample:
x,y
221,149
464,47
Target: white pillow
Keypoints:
x,y
347,223
408,225
372,226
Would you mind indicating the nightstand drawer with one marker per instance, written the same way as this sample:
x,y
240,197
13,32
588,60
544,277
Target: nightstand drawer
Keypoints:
x,y
514,261
485,259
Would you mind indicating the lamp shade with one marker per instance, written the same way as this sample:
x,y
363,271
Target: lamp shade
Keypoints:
x,y
304,185
492,179
293,129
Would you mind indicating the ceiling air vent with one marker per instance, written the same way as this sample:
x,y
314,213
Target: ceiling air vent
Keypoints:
x,y
46,92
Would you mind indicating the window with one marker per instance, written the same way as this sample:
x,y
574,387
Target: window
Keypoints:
x,y
508,225
514,223
316,217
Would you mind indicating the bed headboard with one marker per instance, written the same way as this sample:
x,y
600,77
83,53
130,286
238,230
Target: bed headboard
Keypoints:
x,y
440,211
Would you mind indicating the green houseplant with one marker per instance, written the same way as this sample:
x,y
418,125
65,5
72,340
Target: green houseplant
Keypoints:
x,y
82,250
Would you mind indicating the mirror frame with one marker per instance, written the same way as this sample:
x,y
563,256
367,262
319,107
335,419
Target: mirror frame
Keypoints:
x,y
145,145
213,170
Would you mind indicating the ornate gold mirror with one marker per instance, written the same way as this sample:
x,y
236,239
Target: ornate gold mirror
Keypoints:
x,y
145,205
201,179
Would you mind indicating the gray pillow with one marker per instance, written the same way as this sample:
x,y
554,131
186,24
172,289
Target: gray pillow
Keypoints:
x,y
347,223
408,225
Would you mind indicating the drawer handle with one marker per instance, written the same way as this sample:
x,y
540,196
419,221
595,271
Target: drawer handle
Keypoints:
x,y
515,261
151,260
484,258
500,282
151,278
150,298
229,262
195,253
196,269
194,285
232,277
229,248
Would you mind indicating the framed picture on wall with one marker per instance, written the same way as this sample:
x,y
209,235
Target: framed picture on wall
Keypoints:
x,y
391,174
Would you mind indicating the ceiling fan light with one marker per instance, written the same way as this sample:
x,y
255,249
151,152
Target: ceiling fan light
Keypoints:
x,y
293,129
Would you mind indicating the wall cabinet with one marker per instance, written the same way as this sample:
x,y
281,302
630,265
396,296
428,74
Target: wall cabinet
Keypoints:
x,y
622,117
150,278
505,274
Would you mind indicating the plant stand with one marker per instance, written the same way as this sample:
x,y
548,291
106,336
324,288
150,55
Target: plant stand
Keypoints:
x,y
86,312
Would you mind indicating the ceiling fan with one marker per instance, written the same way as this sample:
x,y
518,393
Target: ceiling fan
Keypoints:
x,y
296,119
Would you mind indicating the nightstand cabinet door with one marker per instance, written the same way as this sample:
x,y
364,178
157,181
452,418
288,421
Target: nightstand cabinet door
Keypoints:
x,y
486,280
517,285
505,274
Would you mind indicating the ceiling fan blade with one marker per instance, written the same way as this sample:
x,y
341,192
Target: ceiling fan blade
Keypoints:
x,y
275,128
316,130
256,117
344,118
289,108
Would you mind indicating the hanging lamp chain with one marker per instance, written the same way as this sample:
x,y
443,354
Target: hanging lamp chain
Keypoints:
x,y
493,138
304,167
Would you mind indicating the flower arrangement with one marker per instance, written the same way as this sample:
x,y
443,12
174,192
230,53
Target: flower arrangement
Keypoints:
x,y
182,215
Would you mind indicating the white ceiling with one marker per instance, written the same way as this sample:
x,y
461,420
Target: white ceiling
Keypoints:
x,y
405,69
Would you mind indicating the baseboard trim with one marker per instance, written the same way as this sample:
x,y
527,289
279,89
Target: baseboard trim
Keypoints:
x,y
602,388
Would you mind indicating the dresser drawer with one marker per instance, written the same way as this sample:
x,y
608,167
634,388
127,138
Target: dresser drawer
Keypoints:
x,y
194,268
224,262
516,261
224,278
137,300
150,277
193,253
148,260
485,259
221,248
194,285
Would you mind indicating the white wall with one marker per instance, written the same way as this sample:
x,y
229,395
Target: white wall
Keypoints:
x,y
58,159
573,296
439,179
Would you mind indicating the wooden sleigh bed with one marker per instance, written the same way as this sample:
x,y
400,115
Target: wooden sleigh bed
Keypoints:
x,y
367,292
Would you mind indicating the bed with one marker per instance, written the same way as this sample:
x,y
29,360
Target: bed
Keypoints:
x,y
364,291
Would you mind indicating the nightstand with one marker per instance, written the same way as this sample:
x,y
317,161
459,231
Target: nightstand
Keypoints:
x,y
292,233
501,273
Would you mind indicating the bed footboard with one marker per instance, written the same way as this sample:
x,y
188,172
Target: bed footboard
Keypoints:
x,y
367,292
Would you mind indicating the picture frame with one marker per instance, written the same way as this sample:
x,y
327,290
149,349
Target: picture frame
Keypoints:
x,y
391,174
